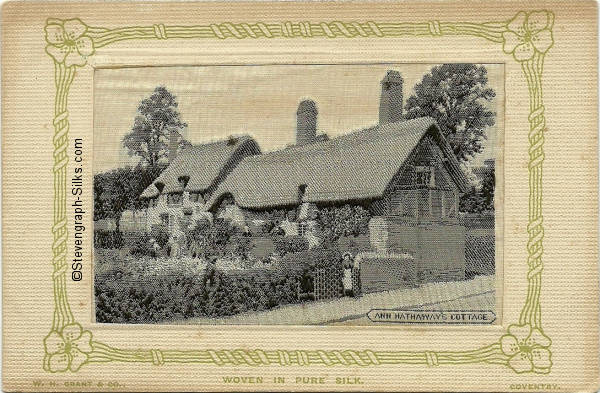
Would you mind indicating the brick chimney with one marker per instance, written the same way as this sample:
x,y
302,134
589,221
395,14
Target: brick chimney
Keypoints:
x,y
306,116
173,145
390,103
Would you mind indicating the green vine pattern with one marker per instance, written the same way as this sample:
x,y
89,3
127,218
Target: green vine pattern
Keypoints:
x,y
523,349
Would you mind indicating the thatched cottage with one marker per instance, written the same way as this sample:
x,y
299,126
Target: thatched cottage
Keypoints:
x,y
403,171
177,197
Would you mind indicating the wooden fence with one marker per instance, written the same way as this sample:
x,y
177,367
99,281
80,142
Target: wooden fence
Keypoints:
x,y
328,284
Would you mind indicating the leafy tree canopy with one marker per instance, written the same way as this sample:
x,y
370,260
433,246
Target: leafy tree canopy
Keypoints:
x,y
480,199
119,189
455,95
346,220
157,117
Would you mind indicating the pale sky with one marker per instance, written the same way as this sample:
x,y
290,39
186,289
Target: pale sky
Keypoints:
x,y
261,101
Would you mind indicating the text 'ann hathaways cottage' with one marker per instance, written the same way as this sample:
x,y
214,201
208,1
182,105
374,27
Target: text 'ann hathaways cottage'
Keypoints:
x,y
403,171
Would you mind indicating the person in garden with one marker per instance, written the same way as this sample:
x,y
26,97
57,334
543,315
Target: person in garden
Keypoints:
x,y
347,265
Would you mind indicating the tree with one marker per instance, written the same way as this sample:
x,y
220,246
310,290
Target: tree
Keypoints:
x,y
487,189
119,189
455,95
340,221
149,137
472,201
479,198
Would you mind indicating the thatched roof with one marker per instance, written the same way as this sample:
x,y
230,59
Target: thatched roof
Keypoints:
x,y
355,166
203,164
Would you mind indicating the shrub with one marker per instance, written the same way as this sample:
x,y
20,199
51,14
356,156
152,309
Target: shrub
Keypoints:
x,y
214,239
268,227
479,199
290,244
239,246
211,294
315,258
354,244
347,220
160,233
133,295
276,231
107,239
143,245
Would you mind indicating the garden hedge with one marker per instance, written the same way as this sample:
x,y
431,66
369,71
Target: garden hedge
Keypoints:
x,y
122,297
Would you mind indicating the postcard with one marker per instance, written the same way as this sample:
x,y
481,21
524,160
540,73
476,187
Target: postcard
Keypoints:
x,y
300,196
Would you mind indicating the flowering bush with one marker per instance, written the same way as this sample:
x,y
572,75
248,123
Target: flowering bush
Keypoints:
x,y
160,234
208,239
107,239
145,290
348,220
122,298
290,244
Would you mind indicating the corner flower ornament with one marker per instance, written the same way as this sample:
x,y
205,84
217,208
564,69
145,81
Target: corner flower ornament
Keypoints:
x,y
527,34
527,349
67,42
67,350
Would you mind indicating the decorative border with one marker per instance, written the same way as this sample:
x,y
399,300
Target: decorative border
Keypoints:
x,y
523,348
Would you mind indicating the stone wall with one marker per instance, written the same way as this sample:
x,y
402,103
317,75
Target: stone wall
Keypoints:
x,y
385,272
438,247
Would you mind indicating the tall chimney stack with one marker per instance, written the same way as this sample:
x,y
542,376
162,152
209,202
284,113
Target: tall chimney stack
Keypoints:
x,y
390,104
306,116
173,145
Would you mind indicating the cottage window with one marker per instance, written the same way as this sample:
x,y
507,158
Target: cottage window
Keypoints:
x,y
183,181
171,223
423,177
196,197
291,215
302,228
174,198
396,205
185,221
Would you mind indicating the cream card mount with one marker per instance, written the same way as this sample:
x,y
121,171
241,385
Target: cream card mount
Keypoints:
x,y
300,196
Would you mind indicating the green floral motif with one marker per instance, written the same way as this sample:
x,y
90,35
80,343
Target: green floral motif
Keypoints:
x,y
67,42
528,33
69,349
527,348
